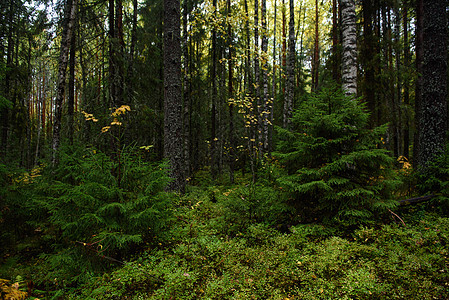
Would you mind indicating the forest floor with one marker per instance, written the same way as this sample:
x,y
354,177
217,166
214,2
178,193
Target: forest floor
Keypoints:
x,y
220,246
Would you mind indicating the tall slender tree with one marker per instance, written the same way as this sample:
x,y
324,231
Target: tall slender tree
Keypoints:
x,y
265,105
349,41
67,31
433,123
214,151
173,145
316,50
406,134
290,82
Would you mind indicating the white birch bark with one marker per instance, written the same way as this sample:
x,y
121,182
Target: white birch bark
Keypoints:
x,y
349,42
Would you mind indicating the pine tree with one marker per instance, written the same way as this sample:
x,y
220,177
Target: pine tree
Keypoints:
x,y
173,145
290,84
67,32
433,122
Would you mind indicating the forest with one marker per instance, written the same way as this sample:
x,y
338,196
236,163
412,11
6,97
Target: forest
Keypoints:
x,y
224,149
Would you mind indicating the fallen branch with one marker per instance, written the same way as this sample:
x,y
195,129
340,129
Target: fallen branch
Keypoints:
x,y
395,215
416,200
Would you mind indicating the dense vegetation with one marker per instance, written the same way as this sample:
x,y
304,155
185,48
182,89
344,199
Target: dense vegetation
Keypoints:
x,y
212,150
102,227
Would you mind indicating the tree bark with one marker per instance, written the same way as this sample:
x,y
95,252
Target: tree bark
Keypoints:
x,y
335,61
232,144
187,100
173,145
433,118
257,105
71,7
316,51
214,137
349,43
406,134
369,60
290,82
265,106
419,80
71,98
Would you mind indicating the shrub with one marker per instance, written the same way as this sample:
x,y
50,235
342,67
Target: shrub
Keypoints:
x,y
333,163
88,217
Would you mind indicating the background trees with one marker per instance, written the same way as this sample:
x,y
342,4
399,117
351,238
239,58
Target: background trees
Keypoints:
x,y
242,105
230,52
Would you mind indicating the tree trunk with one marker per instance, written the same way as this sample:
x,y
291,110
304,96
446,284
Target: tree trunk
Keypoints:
x,y
265,106
335,61
119,55
316,51
419,44
187,100
71,98
406,133
433,118
214,138
112,55
250,87
290,83
257,105
349,43
69,22
369,59
130,72
8,94
273,89
232,145
173,145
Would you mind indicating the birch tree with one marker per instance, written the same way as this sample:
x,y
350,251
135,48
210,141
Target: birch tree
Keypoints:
x,y
349,42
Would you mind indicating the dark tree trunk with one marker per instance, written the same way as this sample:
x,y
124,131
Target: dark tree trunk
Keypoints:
x,y
369,59
66,38
290,82
419,81
9,61
316,52
406,84
112,55
119,55
273,89
71,99
335,61
187,87
433,118
256,102
250,87
173,145
130,71
232,144
265,106
214,138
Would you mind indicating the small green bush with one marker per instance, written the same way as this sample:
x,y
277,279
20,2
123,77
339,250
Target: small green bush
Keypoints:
x,y
334,166
84,218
